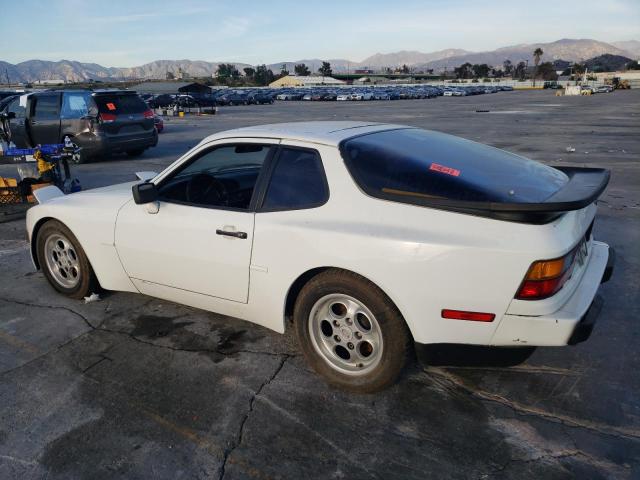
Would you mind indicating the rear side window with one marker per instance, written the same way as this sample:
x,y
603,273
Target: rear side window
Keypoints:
x,y
413,164
75,104
47,107
297,181
120,104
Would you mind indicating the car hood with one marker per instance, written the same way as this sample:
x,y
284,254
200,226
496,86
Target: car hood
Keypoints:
x,y
112,196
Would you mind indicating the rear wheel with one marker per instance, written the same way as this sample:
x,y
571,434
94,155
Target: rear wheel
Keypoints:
x,y
350,332
135,153
63,261
79,156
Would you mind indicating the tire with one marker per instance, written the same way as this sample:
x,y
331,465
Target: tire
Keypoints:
x,y
78,157
135,153
338,303
79,280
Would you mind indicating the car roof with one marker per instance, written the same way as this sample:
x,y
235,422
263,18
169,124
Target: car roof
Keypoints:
x,y
323,132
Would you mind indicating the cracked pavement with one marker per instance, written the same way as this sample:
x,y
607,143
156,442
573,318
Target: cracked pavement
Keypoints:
x,y
135,387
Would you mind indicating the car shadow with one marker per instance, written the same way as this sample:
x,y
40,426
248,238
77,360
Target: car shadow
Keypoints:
x,y
454,355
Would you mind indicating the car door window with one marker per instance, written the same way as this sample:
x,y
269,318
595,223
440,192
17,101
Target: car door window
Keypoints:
x,y
223,177
298,181
47,107
16,108
74,105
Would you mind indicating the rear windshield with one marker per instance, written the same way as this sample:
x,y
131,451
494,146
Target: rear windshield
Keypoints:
x,y
120,104
419,164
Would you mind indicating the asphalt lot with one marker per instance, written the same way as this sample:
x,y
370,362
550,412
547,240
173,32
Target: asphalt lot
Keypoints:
x,y
134,387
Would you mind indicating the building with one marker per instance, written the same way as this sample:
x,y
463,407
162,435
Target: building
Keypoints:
x,y
50,82
308,81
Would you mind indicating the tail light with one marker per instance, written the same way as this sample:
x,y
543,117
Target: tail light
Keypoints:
x,y
546,277
148,114
107,117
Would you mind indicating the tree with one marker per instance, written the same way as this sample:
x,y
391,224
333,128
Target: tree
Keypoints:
x,y
249,72
547,71
633,65
263,75
480,71
520,70
507,67
464,71
537,55
226,70
325,69
301,70
170,76
405,69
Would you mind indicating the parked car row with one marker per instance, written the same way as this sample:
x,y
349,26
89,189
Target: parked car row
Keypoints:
x,y
216,98
600,89
403,92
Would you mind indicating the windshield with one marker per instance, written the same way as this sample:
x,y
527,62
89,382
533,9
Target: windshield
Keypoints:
x,y
421,164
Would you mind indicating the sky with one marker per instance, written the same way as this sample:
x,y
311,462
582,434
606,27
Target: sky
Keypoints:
x,y
119,33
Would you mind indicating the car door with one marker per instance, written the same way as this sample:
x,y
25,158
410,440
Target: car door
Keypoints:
x,y
76,112
43,124
200,238
17,124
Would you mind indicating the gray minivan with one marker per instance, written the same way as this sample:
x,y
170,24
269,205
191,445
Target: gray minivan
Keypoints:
x,y
101,122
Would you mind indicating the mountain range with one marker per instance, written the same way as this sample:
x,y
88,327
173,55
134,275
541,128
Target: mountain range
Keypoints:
x,y
574,50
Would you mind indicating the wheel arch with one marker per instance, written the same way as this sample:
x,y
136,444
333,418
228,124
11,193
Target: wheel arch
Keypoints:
x,y
34,239
305,277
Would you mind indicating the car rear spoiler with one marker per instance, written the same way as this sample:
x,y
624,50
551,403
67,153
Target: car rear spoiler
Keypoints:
x,y
45,194
584,187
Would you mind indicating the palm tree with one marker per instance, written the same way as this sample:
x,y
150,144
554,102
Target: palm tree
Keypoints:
x,y
537,55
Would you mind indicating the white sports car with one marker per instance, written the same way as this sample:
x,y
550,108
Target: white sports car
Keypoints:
x,y
364,238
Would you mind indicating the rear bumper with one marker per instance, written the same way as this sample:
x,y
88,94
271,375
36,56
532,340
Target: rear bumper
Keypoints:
x,y
573,322
95,145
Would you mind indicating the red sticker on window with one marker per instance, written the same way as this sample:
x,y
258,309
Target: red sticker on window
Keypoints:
x,y
111,106
442,169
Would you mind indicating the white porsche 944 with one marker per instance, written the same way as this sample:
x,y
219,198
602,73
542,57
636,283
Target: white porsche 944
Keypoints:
x,y
365,238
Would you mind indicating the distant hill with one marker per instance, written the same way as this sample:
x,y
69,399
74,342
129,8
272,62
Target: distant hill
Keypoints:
x,y
607,63
409,58
565,49
72,71
631,46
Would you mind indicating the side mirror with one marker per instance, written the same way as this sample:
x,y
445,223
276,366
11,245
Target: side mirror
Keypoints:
x,y
144,193
9,115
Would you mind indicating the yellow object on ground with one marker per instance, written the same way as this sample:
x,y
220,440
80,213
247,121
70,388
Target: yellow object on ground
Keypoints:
x,y
43,165
8,182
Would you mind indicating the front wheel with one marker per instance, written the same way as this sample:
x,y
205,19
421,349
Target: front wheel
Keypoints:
x,y
63,261
350,332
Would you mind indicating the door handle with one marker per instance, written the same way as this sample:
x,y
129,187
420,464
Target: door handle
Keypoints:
x,y
33,122
242,235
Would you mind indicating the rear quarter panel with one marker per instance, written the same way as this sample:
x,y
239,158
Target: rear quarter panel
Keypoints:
x,y
423,259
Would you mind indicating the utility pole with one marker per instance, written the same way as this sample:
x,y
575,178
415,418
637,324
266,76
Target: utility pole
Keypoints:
x,y
6,74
